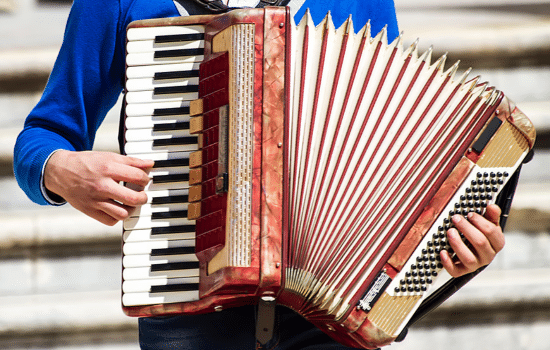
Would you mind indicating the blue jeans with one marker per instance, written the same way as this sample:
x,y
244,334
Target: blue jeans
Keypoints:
x,y
231,329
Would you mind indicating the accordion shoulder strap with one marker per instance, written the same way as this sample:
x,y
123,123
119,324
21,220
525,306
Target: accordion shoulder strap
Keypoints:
x,y
217,6
214,6
264,3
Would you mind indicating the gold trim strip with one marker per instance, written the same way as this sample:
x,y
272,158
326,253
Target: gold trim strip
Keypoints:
x,y
505,148
390,312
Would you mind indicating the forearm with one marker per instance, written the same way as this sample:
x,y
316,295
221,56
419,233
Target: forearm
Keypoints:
x,y
80,91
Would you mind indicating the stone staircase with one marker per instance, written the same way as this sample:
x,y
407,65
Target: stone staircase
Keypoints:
x,y
60,271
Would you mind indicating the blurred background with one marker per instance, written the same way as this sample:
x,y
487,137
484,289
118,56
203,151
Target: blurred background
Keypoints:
x,y
60,271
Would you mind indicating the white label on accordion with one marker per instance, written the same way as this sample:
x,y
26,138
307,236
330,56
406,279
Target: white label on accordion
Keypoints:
x,y
374,291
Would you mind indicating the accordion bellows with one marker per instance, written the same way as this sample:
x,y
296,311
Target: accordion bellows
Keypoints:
x,y
304,163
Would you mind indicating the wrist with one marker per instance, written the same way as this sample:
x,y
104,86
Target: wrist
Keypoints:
x,y
51,186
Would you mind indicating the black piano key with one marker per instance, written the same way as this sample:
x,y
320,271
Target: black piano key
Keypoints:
x,y
182,89
174,141
174,288
174,38
167,163
160,112
178,53
177,74
176,229
175,214
170,199
161,179
185,265
172,251
171,126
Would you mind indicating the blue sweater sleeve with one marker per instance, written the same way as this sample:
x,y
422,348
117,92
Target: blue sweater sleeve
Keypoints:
x,y
82,87
85,83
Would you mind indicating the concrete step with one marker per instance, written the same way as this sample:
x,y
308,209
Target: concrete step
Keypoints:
x,y
27,62
61,311
470,4
7,6
50,226
80,320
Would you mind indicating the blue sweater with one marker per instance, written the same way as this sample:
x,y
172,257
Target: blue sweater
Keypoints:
x,y
88,74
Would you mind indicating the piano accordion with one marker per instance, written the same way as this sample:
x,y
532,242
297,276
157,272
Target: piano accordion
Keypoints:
x,y
306,164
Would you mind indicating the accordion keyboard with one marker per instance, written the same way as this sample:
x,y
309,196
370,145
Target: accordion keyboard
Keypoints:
x,y
159,261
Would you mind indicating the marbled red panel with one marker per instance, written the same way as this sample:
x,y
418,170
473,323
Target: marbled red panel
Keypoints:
x,y
272,148
514,115
430,213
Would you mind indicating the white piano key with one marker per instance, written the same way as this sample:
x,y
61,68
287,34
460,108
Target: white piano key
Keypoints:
x,y
150,96
162,178
131,148
149,71
148,58
144,260
165,171
162,156
149,134
151,45
141,273
168,178
149,33
146,235
148,209
144,286
152,186
166,186
163,201
145,84
135,299
146,222
148,109
151,121
134,248
166,193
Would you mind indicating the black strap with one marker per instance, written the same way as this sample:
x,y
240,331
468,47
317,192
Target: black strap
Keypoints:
x,y
214,6
217,6
264,3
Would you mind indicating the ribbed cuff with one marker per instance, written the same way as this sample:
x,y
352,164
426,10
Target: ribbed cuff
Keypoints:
x,y
50,197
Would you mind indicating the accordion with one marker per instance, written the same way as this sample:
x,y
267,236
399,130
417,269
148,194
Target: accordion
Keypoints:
x,y
304,164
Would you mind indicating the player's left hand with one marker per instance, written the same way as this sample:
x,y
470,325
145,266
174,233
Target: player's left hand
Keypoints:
x,y
484,235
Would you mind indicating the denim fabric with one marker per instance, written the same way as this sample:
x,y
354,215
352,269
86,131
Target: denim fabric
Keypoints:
x,y
231,329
